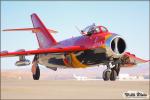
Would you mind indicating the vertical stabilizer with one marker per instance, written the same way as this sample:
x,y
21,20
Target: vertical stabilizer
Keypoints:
x,y
44,37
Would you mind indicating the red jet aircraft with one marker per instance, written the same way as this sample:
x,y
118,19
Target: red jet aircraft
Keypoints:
x,y
96,46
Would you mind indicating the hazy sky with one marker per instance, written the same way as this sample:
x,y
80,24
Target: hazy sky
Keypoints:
x,y
130,19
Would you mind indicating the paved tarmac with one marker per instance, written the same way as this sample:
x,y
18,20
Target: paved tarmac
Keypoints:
x,y
69,89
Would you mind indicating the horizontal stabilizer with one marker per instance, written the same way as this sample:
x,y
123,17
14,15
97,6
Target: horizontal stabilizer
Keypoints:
x,y
34,30
130,60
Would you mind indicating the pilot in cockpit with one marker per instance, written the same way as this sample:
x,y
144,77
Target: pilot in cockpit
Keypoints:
x,y
89,30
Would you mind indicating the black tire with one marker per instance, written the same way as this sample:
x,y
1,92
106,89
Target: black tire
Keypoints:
x,y
106,75
36,76
116,68
113,75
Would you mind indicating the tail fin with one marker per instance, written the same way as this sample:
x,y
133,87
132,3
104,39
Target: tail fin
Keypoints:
x,y
44,37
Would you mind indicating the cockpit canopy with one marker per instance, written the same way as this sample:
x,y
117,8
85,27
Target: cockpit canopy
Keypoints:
x,y
93,29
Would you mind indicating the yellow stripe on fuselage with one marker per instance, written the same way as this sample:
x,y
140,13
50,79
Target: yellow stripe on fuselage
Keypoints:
x,y
103,46
76,63
107,36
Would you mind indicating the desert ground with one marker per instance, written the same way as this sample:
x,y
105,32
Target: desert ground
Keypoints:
x,y
69,89
18,84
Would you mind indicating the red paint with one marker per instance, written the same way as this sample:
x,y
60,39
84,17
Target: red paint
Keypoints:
x,y
49,44
43,36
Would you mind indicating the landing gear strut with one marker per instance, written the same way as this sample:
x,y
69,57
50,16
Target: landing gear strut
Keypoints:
x,y
111,72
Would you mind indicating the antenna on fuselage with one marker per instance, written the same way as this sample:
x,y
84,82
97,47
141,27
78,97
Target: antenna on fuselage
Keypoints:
x,y
80,31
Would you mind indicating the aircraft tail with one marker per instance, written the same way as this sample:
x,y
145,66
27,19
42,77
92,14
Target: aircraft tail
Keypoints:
x,y
44,37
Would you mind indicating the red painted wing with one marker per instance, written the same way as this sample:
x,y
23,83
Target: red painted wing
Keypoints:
x,y
129,60
42,51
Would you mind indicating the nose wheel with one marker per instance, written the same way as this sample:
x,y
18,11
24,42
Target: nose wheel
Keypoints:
x,y
111,72
106,74
113,75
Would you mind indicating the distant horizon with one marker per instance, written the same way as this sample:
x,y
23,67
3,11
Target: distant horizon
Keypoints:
x,y
142,68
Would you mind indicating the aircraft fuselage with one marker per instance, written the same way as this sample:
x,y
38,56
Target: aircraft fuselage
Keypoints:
x,y
102,44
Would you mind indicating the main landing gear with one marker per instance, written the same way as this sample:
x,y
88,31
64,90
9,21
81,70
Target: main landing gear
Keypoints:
x,y
35,69
111,72
36,73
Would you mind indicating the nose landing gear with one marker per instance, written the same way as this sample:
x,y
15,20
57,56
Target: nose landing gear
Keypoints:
x,y
111,72
106,74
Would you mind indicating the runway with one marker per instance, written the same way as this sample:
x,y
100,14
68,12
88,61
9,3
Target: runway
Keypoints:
x,y
69,89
